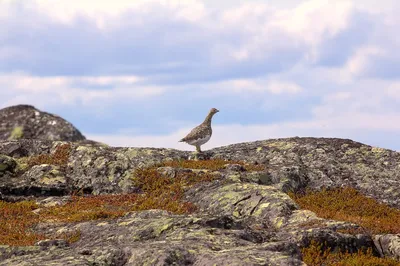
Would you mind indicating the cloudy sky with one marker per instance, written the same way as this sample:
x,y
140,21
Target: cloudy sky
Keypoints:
x,y
144,72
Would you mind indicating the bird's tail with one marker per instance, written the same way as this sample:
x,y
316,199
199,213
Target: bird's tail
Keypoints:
x,y
182,140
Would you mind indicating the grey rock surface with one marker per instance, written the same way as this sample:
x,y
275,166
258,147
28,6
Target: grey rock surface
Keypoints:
x,y
388,245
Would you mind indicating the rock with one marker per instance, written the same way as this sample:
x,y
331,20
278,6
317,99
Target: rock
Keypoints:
x,y
7,164
52,243
388,245
290,179
25,121
39,180
167,171
235,168
246,201
324,162
53,201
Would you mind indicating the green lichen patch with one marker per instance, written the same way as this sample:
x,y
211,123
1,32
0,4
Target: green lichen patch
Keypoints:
x,y
17,133
317,254
347,204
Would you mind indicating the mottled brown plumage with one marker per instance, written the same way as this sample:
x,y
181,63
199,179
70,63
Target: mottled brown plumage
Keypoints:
x,y
202,133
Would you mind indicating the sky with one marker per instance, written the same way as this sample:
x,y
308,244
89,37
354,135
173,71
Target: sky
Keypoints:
x,y
143,73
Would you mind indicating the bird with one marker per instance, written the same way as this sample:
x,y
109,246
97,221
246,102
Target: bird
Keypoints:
x,y
202,133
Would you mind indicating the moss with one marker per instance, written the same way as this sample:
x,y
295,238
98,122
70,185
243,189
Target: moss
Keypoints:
x,y
317,254
17,133
347,204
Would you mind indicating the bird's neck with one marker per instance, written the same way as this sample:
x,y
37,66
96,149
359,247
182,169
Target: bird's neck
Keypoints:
x,y
208,119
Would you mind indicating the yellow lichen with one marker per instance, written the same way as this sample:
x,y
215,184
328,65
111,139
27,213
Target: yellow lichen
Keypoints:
x,y
17,133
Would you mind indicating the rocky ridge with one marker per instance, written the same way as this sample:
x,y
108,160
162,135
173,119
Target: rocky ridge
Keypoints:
x,y
27,122
243,217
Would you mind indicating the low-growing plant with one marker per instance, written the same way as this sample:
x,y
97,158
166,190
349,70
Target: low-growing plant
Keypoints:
x,y
317,254
59,157
347,204
16,222
214,164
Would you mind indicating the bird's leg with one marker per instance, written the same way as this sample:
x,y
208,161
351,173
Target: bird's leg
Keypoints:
x,y
198,149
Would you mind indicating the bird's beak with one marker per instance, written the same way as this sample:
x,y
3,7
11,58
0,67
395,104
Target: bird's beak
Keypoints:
x,y
217,110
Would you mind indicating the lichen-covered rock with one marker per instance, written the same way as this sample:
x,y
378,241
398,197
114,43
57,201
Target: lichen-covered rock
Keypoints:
x,y
246,201
243,217
27,122
388,245
7,164
324,162
95,169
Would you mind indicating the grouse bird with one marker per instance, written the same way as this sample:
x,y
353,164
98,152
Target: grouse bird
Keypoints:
x,y
202,133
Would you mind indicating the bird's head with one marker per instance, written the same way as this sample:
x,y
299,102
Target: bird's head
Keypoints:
x,y
214,111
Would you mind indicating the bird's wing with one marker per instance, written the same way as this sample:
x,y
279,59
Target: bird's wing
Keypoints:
x,y
195,132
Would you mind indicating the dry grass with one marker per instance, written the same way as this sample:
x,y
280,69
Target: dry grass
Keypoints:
x,y
59,157
347,204
214,165
316,255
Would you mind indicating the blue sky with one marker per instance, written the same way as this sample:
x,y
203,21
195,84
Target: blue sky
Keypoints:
x,y
144,72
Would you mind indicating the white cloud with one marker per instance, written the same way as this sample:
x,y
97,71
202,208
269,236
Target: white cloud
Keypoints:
x,y
393,91
361,61
246,86
107,13
313,19
278,87
29,83
53,90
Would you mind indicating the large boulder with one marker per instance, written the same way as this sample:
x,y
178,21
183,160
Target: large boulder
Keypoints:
x,y
27,122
